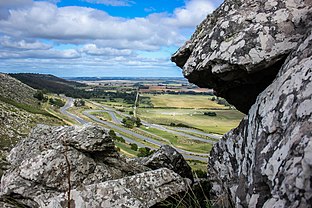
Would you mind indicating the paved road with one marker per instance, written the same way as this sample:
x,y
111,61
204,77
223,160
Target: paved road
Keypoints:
x,y
112,112
181,133
186,154
213,136
69,103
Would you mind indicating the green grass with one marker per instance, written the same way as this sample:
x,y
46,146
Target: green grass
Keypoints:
x,y
197,165
220,124
126,149
182,142
102,115
28,108
184,101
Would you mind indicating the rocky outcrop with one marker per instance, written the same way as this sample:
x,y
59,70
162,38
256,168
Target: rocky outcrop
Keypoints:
x,y
139,191
261,51
167,156
81,161
267,160
239,49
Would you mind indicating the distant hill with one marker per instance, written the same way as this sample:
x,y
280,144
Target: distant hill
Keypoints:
x,y
127,78
53,84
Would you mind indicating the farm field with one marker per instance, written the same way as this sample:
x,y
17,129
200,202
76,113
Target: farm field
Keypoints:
x,y
184,101
189,110
175,111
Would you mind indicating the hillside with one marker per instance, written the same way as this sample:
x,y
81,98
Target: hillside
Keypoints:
x,y
52,84
19,112
15,90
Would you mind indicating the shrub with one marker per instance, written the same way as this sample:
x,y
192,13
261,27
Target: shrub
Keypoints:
x,y
134,146
209,113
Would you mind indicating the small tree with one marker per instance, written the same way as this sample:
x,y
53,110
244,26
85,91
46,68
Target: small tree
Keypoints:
x,y
134,146
138,122
112,134
145,152
39,95
127,122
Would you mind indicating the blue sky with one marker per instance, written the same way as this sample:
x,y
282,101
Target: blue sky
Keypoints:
x,y
97,37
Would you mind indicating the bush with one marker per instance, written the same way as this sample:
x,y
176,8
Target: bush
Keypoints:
x,y
120,139
145,152
39,95
112,134
134,146
129,122
200,174
209,113
57,102
79,103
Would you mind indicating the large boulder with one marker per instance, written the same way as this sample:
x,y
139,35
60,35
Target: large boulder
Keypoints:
x,y
139,191
82,160
267,160
239,49
167,156
258,55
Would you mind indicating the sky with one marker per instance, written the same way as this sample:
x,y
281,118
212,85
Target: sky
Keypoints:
x,y
97,38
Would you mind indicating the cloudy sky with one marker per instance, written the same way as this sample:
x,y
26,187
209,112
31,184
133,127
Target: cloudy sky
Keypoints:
x,y
97,37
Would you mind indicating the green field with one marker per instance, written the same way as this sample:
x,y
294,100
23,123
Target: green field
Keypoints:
x,y
181,142
102,115
220,124
184,101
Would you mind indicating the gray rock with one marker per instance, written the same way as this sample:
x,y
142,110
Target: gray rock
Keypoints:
x,y
168,157
83,159
239,49
267,160
138,191
258,55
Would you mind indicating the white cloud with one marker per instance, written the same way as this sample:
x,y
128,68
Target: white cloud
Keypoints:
x,y
78,24
192,14
92,49
111,2
40,54
104,42
14,3
8,42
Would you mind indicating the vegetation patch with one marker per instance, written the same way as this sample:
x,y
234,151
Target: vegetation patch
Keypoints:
x,y
28,108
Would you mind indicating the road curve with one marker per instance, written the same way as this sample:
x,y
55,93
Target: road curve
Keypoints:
x,y
69,103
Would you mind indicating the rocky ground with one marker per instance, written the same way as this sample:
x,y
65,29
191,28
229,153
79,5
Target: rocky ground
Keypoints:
x,y
82,161
15,122
15,90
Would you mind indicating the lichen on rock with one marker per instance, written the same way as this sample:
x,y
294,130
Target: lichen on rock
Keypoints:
x,y
239,49
258,56
82,160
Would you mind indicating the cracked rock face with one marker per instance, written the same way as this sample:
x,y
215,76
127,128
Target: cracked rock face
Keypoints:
x,y
42,164
267,160
139,191
258,55
239,49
